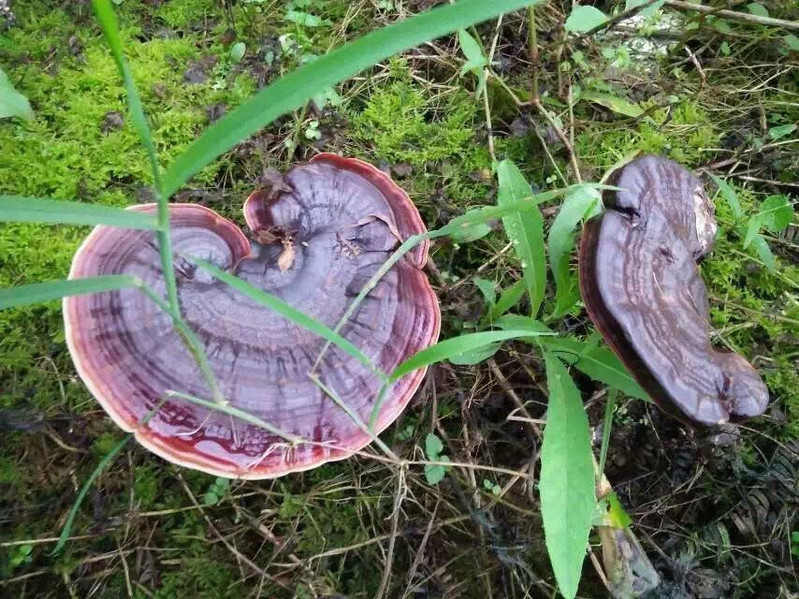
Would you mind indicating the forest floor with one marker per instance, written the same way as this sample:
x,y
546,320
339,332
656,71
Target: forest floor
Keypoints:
x,y
716,514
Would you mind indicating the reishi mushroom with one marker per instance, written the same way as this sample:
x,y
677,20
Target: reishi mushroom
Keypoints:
x,y
642,288
319,233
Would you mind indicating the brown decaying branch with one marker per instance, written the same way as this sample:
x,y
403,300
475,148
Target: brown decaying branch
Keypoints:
x,y
734,15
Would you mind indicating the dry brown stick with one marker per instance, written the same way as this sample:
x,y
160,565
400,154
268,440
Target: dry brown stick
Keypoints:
x,y
733,15
561,135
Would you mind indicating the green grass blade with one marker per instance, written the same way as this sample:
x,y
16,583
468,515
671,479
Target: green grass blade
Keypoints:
x,y
107,459
296,88
581,203
236,413
286,311
457,345
13,297
525,231
566,486
38,210
108,23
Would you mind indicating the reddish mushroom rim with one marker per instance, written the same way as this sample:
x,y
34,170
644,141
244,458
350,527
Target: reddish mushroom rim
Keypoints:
x,y
339,218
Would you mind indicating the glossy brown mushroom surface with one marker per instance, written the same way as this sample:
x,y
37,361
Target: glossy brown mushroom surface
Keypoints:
x,y
318,235
642,288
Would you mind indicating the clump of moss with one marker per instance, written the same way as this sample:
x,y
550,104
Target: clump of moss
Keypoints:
x,y
73,151
684,132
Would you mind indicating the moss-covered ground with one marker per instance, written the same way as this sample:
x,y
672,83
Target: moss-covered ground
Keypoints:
x,y
718,99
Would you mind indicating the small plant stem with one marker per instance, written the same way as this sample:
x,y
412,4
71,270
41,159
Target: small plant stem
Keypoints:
x,y
489,128
533,41
610,404
295,136
561,135
353,416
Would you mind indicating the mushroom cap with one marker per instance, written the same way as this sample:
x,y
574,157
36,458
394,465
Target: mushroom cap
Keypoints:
x,y
642,288
319,234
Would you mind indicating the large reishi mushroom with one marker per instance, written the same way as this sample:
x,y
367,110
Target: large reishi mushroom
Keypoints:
x,y
319,233
643,291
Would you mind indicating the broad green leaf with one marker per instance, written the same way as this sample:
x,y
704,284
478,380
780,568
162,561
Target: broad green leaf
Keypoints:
x,y
526,231
433,446
567,478
584,18
581,203
475,60
764,252
486,287
435,473
296,88
614,103
12,103
729,194
13,297
475,356
285,310
776,213
781,131
37,210
443,350
237,52
507,299
791,41
305,18
599,363
757,9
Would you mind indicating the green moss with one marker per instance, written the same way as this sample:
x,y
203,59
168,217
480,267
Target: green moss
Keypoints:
x,y
684,136
65,153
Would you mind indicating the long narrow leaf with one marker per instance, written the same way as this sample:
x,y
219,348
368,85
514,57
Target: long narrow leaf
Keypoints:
x,y
456,346
579,203
567,478
108,23
13,297
599,363
107,459
296,88
286,311
38,210
525,231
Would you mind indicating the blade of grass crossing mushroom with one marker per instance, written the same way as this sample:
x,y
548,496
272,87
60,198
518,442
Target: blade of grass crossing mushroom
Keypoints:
x,y
353,416
236,413
40,210
301,85
299,318
192,342
452,228
443,350
108,23
23,295
526,233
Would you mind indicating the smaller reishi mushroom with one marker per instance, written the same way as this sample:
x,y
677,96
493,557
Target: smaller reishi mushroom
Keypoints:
x,y
642,288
